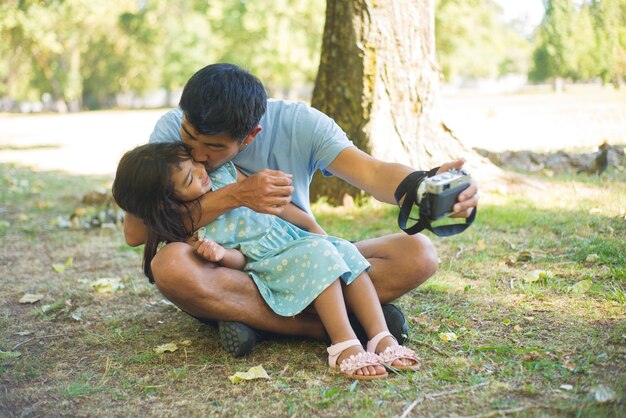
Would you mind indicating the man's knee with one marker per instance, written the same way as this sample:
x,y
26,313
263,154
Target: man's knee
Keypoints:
x,y
417,258
180,276
426,259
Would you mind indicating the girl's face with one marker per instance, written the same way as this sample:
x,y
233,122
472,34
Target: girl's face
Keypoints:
x,y
190,180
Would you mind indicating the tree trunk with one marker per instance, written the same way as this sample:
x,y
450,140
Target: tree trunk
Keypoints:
x,y
378,78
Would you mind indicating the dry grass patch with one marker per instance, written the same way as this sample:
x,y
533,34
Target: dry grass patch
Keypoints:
x,y
528,348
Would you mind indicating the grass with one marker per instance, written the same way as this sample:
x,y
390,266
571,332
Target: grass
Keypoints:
x,y
526,345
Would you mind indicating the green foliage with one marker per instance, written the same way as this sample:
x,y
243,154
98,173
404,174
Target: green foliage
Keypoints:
x,y
610,23
471,42
555,53
84,53
582,43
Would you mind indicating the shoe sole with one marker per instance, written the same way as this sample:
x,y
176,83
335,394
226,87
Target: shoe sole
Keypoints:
x,y
237,339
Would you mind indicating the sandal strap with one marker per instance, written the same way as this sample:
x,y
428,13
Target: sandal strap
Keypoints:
x,y
336,349
373,343
398,352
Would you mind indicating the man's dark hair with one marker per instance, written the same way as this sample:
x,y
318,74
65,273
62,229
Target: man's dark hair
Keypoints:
x,y
223,99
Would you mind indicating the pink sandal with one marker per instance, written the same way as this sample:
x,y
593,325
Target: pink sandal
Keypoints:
x,y
355,362
393,353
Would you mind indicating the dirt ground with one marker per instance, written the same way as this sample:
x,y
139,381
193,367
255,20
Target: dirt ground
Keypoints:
x,y
537,120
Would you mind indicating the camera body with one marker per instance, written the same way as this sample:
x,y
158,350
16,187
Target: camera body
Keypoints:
x,y
442,190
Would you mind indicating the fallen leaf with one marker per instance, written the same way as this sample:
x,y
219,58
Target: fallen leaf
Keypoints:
x,y
537,275
582,286
566,387
517,328
59,268
256,372
603,393
107,284
169,347
480,245
31,298
185,343
448,336
9,354
77,315
592,258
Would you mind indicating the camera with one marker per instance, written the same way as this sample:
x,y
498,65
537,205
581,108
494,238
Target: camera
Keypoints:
x,y
440,192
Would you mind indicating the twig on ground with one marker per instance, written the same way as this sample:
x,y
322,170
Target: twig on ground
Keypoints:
x,y
432,347
37,338
458,254
439,395
106,371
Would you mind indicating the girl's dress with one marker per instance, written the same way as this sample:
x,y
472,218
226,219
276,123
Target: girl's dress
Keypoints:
x,y
290,266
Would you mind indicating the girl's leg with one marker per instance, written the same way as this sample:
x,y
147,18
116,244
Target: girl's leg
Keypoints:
x,y
361,298
331,308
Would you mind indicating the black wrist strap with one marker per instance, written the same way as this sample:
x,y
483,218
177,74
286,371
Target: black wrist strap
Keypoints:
x,y
408,189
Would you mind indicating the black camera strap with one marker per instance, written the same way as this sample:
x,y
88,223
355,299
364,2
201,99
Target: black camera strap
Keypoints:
x,y
408,189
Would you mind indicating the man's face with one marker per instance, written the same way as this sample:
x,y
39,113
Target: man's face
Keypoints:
x,y
211,150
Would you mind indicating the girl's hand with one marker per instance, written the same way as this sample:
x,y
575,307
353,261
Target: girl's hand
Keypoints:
x,y
209,250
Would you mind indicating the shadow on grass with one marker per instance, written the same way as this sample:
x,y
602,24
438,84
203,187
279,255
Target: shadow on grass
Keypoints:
x,y
92,353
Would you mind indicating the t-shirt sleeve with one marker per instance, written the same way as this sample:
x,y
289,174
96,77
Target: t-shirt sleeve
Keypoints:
x,y
167,128
327,139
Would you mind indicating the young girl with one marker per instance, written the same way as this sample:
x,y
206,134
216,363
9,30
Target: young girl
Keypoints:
x,y
292,268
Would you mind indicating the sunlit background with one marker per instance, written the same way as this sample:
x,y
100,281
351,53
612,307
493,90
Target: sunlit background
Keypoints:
x,y
502,64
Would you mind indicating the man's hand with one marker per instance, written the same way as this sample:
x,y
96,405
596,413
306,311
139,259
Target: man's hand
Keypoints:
x,y
468,199
267,191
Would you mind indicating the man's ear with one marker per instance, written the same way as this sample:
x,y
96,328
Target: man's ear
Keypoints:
x,y
253,133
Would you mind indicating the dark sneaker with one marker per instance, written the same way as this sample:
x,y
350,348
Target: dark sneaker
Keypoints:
x,y
394,318
237,339
396,322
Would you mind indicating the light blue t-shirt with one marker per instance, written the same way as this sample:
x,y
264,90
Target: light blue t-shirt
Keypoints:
x,y
295,139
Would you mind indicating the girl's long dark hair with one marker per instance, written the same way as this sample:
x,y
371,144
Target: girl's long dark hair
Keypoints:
x,y
143,186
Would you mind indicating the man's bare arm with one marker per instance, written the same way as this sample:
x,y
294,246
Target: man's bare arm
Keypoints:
x,y
380,179
135,231
267,191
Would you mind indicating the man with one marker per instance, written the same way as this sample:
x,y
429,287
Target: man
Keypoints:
x,y
225,115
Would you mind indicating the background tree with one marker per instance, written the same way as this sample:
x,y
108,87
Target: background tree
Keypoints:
x,y
379,79
555,56
610,24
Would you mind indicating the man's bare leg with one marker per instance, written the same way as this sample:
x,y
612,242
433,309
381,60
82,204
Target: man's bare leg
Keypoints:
x,y
207,291
400,263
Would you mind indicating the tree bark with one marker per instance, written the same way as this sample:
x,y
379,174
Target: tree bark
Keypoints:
x,y
378,78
